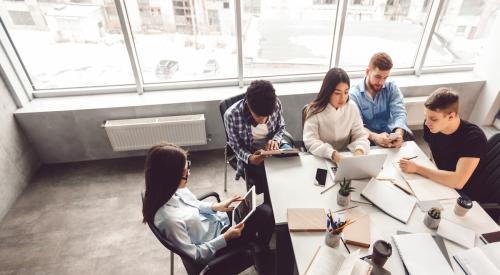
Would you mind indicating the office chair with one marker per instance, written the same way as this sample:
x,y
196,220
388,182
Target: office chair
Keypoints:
x,y
229,155
488,179
217,265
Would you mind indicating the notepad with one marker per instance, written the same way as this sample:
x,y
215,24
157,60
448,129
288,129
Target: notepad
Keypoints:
x,y
358,233
328,261
389,199
421,255
483,260
306,219
456,233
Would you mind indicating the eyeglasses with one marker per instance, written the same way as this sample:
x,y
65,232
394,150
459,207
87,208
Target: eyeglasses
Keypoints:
x,y
188,168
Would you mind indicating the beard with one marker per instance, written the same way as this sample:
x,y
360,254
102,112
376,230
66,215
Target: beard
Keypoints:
x,y
375,88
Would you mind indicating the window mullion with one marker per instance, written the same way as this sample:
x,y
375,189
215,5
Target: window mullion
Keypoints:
x,y
239,38
338,32
129,42
430,26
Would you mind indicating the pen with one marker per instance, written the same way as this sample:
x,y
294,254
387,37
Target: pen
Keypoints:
x,y
346,209
342,239
409,158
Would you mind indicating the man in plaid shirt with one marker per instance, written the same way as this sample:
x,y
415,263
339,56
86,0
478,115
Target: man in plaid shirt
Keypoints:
x,y
253,124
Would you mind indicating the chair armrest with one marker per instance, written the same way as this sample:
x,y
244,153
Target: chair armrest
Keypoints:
x,y
209,194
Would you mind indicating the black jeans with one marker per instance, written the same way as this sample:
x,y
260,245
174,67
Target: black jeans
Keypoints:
x,y
256,175
257,233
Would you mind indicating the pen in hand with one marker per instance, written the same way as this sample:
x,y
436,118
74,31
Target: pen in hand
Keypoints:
x,y
409,158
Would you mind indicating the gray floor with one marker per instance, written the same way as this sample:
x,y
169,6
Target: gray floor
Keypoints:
x,y
85,218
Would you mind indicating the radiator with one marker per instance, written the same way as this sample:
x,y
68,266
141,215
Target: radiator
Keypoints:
x,y
142,133
415,111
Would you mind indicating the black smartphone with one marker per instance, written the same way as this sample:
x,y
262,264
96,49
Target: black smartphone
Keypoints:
x,y
321,177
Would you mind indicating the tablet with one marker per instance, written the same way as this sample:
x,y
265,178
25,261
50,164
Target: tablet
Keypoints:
x,y
286,151
245,208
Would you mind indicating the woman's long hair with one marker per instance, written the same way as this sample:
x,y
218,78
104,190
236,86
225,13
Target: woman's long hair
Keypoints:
x,y
164,168
332,78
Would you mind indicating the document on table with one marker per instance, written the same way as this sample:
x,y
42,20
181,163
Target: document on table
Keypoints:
x,y
483,260
456,233
328,261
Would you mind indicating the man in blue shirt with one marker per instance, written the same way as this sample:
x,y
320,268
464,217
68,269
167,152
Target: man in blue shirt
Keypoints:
x,y
381,104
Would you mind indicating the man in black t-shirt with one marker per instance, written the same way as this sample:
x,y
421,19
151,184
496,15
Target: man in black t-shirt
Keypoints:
x,y
456,145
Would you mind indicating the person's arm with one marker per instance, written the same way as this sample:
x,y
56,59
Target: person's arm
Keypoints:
x,y
235,141
397,110
359,136
312,141
454,179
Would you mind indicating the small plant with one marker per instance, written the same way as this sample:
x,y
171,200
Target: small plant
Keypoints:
x,y
346,188
435,213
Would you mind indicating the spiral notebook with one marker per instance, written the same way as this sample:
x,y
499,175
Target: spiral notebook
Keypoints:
x,y
421,255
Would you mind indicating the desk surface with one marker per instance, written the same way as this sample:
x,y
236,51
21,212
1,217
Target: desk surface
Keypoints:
x,y
291,186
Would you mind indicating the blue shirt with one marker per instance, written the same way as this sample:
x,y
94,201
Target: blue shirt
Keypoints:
x,y
238,122
192,225
385,112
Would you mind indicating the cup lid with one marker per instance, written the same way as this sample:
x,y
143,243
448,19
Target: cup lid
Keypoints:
x,y
464,202
383,247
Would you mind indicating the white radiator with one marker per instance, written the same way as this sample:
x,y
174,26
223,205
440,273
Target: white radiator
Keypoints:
x,y
142,133
415,111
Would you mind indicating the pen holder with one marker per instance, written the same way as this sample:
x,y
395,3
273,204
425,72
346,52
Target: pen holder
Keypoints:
x,y
433,218
332,240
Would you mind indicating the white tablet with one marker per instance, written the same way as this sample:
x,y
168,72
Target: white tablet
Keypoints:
x,y
287,151
245,208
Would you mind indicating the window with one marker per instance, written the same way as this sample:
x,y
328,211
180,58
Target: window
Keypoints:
x,y
198,43
287,37
461,30
395,28
74,48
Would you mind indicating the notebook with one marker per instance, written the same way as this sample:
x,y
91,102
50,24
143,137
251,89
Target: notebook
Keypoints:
x,y
421,255
306,219
483,260
439,241
358,233
389,199
456,233
491,237
328,261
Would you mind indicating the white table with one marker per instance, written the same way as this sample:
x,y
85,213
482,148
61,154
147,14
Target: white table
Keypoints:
x,y
290,183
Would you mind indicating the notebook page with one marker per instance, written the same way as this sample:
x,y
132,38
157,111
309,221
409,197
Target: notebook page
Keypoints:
x,y
327,261
427,190
421,255
475,262
492,251
456,233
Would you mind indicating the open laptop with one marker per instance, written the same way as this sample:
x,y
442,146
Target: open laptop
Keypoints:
x,y
357,167
245,208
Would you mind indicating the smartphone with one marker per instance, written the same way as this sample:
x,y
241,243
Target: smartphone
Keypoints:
x,y
320,177
393,136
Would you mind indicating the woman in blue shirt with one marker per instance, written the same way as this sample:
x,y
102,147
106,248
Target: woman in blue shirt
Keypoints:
x,y
201,229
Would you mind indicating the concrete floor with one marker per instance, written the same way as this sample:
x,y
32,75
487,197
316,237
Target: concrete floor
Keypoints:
x,y
85,218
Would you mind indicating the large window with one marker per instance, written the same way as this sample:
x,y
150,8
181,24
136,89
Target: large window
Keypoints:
x,y
65,45
392,26
461,31
143,45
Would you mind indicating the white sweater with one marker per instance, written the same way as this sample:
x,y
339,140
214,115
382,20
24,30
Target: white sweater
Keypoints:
x,y
332,129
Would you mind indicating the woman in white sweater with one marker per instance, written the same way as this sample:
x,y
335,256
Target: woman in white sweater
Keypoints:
x,y
332,123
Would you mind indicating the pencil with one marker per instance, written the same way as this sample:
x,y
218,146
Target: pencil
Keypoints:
x,y
346,209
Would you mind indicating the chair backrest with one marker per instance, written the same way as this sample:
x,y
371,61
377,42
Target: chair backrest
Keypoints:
x,y
192,267
487,174
226,103
303,113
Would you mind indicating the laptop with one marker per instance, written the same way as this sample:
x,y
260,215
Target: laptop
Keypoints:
x,y
357,167
245,208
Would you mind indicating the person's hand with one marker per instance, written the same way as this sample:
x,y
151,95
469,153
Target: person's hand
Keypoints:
x,y
359,152
408,166
223,206
233,232
381,139
396,143
336,157
272,145
257,158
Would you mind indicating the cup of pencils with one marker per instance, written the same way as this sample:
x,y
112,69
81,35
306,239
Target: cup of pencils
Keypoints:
x,y
334,229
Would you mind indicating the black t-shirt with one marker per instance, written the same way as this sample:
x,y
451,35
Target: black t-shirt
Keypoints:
x,y
467,141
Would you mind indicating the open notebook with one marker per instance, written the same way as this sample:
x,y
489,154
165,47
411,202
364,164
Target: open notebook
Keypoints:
x,y
328,261
389,199
421,255
483,260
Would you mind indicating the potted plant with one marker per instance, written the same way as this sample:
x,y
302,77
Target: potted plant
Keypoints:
x,y
344,194
433,218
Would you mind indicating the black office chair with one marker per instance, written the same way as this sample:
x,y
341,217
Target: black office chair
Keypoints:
x,y
487,177
217,265
229,155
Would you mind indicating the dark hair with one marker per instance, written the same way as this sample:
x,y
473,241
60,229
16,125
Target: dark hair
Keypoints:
x,y
261,97
381,60
332,78
163,171
443,100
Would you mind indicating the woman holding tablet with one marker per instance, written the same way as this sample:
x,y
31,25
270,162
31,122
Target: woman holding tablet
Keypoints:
x,y
201,229
332,122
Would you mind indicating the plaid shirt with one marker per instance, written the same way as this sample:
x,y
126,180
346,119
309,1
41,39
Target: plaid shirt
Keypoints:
x,y
238,122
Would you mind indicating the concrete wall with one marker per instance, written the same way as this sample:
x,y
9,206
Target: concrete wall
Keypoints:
x,y
18,161
66,135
